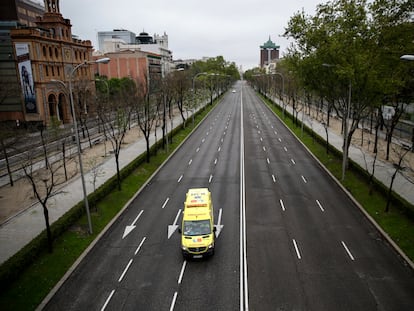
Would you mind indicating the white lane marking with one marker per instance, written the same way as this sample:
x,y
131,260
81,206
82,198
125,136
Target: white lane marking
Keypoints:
x,y
274,178
181,177
261,139
320,205
125,270
285,149
198,149
244,290
173,301
108,299
268,161
203,140
189,162
293,161
180,278
275,132
304,179
264,148
222,140
140,245
215,161
347,250
282,205
219,148
224,134
297,249
280,139
211,177
165,203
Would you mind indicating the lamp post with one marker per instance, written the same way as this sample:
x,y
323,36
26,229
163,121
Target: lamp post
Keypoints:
x,y
75,124
407,57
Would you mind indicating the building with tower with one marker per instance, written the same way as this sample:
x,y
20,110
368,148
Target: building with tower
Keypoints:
x,y
269,53
44,55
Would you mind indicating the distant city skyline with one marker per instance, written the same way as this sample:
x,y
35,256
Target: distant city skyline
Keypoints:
x,y
231,28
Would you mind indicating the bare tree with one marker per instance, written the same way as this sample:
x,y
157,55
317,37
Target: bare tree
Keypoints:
x,y
45,182
399,167
115,116
146,107
96,171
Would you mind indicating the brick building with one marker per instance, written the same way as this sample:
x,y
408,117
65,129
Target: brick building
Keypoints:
x,y
44,57
269,52
142,67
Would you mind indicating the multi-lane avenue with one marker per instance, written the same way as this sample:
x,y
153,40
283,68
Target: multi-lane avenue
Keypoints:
x,y
288,237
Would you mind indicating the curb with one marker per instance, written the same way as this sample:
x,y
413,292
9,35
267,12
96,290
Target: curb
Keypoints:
x,y
59,284
385,235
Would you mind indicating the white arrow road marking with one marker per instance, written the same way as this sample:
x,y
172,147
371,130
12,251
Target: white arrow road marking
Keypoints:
x,y
219,226
174,226
131,227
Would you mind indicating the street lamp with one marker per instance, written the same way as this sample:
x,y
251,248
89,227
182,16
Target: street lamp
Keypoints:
x,y
407,57
75,124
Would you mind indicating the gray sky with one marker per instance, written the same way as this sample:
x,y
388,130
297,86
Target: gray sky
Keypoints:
x,y
232,28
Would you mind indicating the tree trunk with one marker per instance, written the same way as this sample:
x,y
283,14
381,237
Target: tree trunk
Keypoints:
x,y
48,231
6,158
118,174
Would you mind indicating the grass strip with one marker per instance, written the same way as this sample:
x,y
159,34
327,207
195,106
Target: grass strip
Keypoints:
x,y
38,279
396,223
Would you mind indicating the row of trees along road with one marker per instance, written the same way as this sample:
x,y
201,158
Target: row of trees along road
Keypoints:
x,y
346,59
119,104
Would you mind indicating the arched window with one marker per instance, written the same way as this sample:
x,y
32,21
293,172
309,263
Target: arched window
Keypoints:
x,y
52,105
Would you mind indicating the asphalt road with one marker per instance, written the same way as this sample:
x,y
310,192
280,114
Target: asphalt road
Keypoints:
x,y
291,239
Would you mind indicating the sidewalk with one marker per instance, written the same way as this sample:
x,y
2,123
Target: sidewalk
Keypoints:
x,y
383,170
22,228
19,230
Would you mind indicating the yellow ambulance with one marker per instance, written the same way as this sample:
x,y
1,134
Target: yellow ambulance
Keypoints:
x,y
197,229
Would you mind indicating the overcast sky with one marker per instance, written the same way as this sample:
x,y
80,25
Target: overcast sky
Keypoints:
x,y
232,28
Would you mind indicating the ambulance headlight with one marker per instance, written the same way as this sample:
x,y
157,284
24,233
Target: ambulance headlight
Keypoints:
x,y
211,245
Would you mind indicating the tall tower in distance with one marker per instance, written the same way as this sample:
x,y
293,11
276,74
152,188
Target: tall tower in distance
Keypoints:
x,y
268,52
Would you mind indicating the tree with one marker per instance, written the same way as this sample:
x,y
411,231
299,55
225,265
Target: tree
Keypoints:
x,y
115,116
45,181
